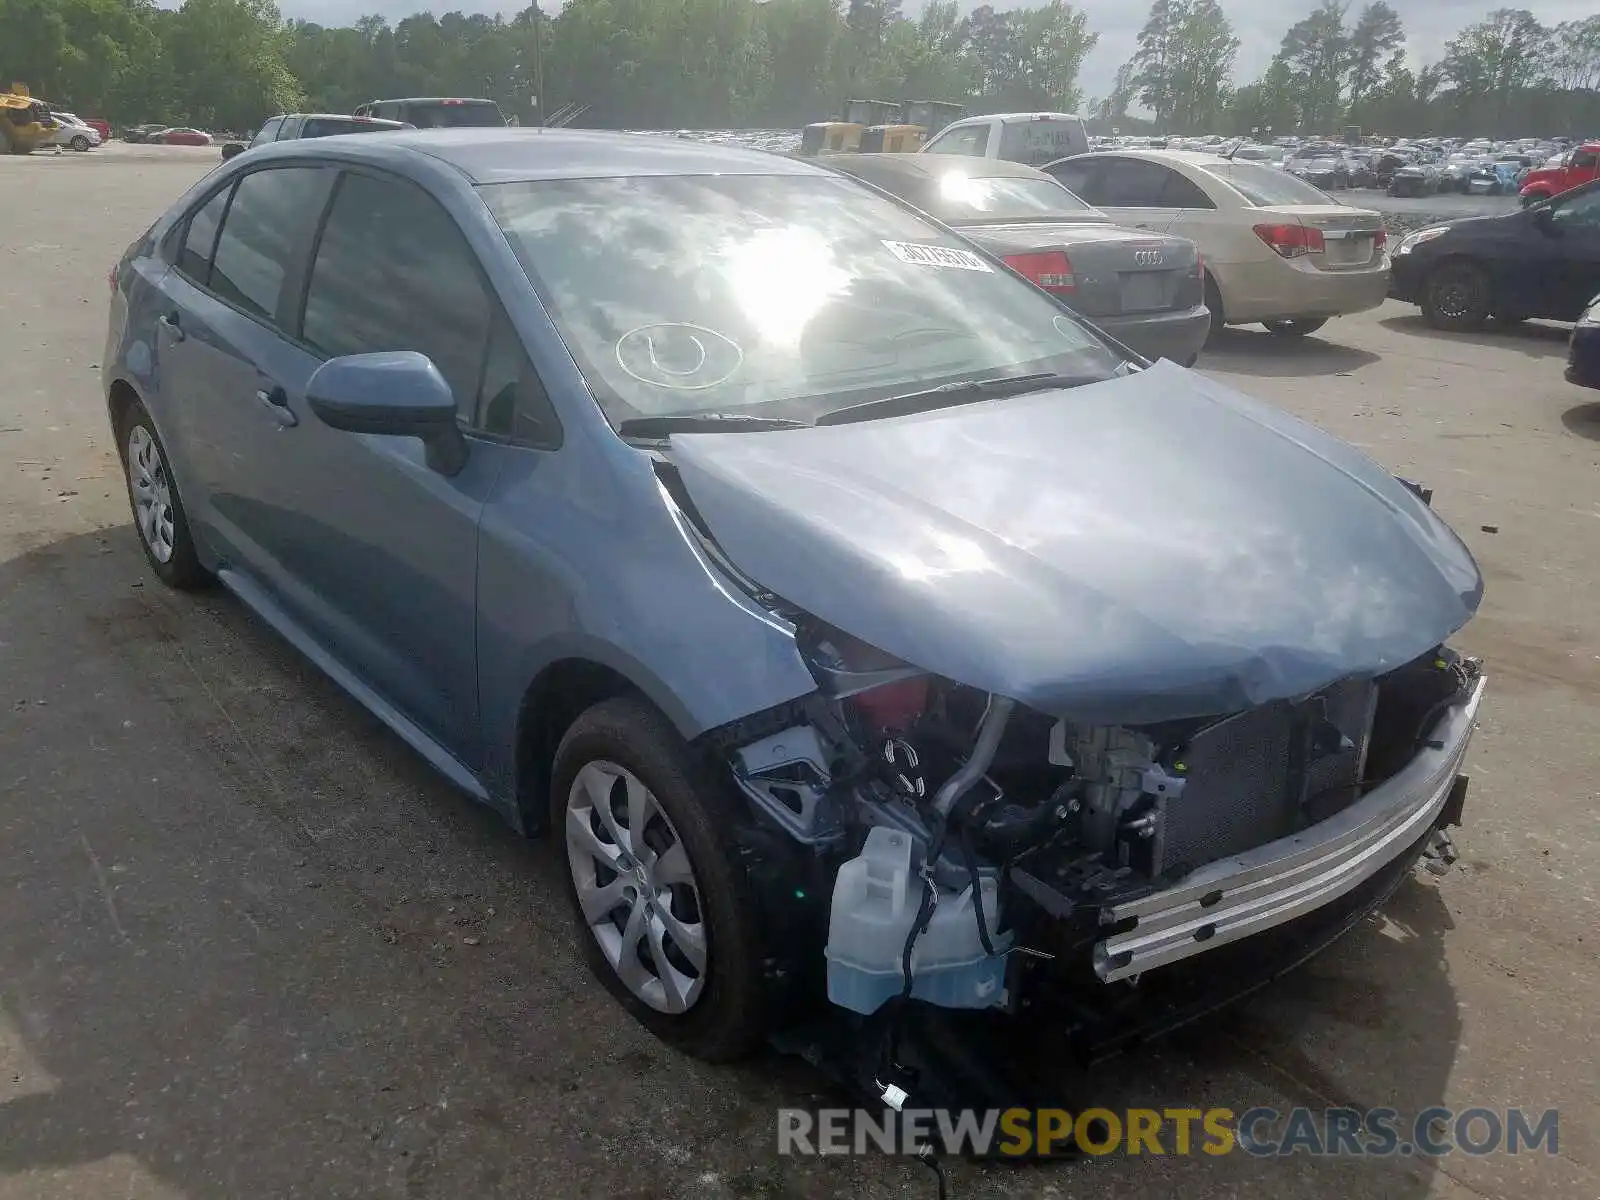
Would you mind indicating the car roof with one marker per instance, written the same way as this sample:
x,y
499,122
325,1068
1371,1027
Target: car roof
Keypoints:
x,y
928,165
1198,158
341,117
433,100
512,154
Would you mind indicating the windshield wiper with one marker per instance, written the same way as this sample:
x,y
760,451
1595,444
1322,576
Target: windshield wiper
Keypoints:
x,y
947,395
707,422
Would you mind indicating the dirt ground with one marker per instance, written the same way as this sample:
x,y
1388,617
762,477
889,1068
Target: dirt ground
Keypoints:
x,y
251,947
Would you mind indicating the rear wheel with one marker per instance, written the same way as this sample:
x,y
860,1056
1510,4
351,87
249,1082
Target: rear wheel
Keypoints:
x,y
1296,327
1456,297
667,918
157,509
1533,198
1219,320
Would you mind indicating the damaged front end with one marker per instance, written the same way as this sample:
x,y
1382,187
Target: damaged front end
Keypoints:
x,y
976,845
1077,723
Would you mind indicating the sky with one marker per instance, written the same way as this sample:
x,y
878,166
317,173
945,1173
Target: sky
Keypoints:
x,y
1259,24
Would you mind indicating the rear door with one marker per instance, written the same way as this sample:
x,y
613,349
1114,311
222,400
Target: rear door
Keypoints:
x,y
222,354
1131,191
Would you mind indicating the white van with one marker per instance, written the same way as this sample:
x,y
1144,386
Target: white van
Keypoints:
x,y
1032,138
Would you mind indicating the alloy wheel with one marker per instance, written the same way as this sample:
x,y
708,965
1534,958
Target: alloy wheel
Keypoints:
x,y
151,488
636,886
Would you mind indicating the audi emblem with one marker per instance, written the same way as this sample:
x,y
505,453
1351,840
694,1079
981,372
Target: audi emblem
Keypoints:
x,y
1147,258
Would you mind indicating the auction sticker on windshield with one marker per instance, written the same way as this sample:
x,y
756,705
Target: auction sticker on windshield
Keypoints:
x,y
936,256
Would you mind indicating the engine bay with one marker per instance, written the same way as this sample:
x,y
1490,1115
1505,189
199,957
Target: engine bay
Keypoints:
x,y
963,834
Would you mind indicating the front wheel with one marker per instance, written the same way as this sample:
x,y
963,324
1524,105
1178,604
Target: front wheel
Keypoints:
x,y
158,512
1456,298
1533,198
80,143
1297,327
666,916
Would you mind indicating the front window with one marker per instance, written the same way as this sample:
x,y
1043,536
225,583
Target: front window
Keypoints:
x,y
961,199
1268,185
774,295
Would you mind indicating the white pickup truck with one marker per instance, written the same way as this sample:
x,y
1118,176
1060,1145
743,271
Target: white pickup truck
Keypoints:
x,y
1034,138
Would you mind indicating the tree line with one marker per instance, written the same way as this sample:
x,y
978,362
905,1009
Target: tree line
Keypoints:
x,y
744,63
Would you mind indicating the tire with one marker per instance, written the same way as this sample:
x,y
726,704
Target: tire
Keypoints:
x,y
80,143
1533,198
1295,327
158,513
1455,297
1219,319
717,1013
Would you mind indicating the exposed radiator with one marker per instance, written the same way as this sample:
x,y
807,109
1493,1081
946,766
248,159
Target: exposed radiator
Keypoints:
x,y
1261,775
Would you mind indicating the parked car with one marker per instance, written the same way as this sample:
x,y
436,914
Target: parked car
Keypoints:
x,y
436,112
72,131
748,544
1323,169
1537,262
1419,177
142,133
1147,291
1578,166
1274,156
180,136
1032,138
289,126
1583,352
1277,250
101,126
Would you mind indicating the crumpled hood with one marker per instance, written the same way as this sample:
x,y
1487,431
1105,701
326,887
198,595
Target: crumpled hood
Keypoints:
x,y
1147,548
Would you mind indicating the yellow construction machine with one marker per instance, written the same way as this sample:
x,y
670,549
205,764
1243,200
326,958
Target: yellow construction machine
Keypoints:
x,y
24,121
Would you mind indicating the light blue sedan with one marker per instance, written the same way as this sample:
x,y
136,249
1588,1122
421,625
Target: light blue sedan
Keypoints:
x,y
851,611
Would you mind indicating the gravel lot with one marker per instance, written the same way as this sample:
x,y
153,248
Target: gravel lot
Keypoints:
x,y
251,947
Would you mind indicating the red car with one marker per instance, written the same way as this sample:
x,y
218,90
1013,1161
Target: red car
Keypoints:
x,y
183,137
100,125
1582,165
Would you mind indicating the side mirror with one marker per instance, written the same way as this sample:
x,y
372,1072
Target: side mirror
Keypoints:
x,y
398,393
232,150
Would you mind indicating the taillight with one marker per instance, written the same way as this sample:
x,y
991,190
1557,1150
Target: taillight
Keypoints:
x,y
1380,239
1199,264
111,280
1291,241
1050,269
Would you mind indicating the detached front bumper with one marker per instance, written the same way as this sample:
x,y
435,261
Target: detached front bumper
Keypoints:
x,y
1252,892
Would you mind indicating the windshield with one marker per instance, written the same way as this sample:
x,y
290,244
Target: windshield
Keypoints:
x,y
454,114
772,295
1268,185
332,126
960,198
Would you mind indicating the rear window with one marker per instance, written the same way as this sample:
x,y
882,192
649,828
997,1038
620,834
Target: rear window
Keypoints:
x,y
1268,185
1042,141
316,127
961,198
784,294
459,114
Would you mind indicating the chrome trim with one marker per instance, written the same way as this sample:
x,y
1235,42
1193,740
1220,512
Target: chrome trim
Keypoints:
x,y
1275,883
1334,235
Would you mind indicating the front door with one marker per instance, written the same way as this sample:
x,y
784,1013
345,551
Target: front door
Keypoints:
x,y
380,550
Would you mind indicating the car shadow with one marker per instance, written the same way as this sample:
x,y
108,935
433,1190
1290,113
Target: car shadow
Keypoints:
x,y
1583,420
1536,339
253,946
1241,350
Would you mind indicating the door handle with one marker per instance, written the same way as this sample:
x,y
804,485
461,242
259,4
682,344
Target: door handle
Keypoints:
x,y
170,322
276,401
